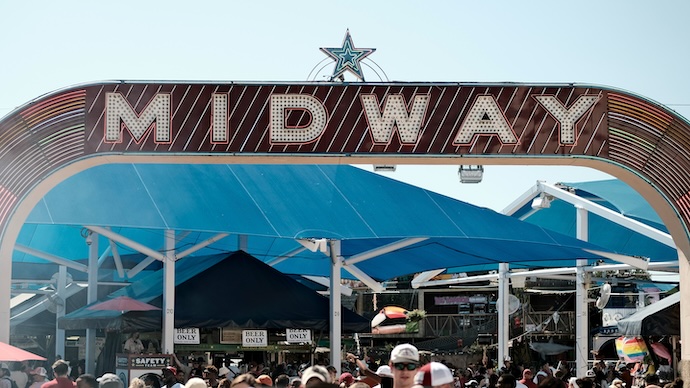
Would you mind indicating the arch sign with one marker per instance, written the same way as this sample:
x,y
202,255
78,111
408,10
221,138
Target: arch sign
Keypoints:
x,y
70,130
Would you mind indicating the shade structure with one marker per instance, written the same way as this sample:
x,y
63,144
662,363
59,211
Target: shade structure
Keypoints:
x,y
123,303
275,205
13,353
250,294
661,318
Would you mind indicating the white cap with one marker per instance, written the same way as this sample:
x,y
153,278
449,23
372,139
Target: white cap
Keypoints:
x,y
384,371
434,374
404,353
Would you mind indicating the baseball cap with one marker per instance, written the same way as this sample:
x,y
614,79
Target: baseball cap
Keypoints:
x,y
265,380
346,378
170,368
384,371
110,380
195,382
316,371
590,373
471,383
433,374
404,353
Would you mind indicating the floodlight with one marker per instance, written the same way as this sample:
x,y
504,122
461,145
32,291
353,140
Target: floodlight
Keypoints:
x,y
385,167
471,174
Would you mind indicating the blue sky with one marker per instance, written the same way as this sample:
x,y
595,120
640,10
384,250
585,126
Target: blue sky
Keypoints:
x,y
638,46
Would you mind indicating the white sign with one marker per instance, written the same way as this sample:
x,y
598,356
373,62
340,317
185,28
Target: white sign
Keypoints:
x,y
254,338
188,335
298,336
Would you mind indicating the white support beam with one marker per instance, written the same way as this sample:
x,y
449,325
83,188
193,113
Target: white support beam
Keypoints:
x,y
117,260
125,241
286,255
336,307
581,285
344,290
201,245
140,267
52,258
168,346
384,249
364,278
522,200
91,297
425,277
503,312
608,214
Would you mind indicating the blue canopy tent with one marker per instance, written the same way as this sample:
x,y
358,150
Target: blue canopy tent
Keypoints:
x,y
300,219
244,281
277,205
560,215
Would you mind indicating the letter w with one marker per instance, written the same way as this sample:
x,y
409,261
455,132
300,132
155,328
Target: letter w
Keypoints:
x,y
394,115
119,115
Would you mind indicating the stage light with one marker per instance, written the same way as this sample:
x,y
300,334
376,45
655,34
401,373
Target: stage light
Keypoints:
x,y
542,202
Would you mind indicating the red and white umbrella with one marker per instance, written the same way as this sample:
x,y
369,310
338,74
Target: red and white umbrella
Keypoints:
x,y
13,353
123,303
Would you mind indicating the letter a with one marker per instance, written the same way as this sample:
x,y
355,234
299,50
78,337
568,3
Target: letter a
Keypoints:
x,y
282,133
485,118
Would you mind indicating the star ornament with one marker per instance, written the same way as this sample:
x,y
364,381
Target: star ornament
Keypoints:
x,y
347,57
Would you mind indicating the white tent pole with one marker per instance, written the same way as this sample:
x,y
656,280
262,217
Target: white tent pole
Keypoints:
x,y
581,311
336,314
92,297
503,313
169,293
60,310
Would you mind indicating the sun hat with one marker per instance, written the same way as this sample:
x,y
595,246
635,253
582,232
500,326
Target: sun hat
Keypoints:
x,y
433,374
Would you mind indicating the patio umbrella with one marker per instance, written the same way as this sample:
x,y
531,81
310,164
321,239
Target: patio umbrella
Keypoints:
x,y
13,353
123,303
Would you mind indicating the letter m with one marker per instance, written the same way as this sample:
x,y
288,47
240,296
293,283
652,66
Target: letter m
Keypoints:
x,y
120,116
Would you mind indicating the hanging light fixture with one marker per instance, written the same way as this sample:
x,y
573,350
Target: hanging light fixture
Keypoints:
x,y
470,174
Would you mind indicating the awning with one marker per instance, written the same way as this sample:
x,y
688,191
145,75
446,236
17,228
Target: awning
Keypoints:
x,y
660,318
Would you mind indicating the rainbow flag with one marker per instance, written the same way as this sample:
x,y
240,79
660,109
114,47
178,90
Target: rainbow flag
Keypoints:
x,y
631,349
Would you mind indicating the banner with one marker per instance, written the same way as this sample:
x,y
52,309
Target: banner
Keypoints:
x,y
631,349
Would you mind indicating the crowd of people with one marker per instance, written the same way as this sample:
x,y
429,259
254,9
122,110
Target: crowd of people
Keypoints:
x,y
404,369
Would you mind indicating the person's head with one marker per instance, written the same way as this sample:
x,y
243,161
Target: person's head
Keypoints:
x,y
346,379
151,381
245,380
315,375
109,380
282,381
333,373
85,381
506,380
527,374
195,382
651,379
434,374
60,368
617,383
590,374
41,374
211,372
296,383
169,375
224,383
136,383
180,377
404,363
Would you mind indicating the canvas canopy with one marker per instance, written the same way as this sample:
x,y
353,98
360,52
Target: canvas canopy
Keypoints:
x,y
235,290
659,319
